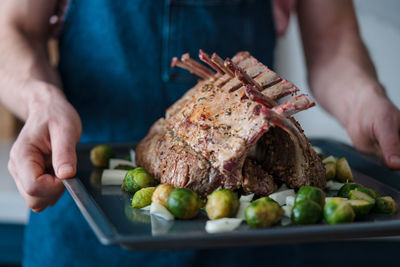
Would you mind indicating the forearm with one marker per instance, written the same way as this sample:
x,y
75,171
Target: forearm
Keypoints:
x,y
340,71
343,78
24,63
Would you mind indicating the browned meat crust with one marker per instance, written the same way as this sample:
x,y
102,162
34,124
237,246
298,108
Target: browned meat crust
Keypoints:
x,y
171,161
256,179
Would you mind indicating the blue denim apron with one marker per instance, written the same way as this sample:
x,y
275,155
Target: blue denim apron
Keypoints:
x,y
115,68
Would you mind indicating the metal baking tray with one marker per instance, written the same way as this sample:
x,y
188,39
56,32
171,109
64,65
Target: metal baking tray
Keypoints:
x,y
108,212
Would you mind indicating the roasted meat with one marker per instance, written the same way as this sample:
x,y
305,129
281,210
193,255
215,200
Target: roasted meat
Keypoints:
x,y
229,131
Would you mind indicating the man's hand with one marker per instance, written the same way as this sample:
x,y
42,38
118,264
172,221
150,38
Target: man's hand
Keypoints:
x,y
46,143
374,127
29,87
343,78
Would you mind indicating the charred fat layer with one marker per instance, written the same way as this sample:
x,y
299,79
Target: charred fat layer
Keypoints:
x,y
229,132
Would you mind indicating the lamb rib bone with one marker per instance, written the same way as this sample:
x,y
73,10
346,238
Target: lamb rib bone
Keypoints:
x,y
220,63
193,63
206,59
188,67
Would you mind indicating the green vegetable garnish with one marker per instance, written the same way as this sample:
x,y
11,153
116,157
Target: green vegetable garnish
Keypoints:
x,y
183,203
343,171
222,203
311,193
345,189
137,179
358,195
306,212
361,207
142,198
263,212
385,205
100,155
338,210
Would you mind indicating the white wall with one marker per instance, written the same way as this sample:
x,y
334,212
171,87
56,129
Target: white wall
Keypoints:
x,y
380,29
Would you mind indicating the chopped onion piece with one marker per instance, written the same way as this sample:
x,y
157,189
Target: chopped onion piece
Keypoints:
x,y
246,198
146,208
281,196
222,225
290,200
160,211
113,177
332,185
288,210
283,188
242,209
116,162
133,157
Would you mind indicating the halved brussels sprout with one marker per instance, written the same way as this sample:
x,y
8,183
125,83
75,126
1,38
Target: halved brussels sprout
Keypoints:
x,y
142,198
338,210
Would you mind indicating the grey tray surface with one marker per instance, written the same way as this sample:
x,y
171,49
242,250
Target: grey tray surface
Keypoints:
x,y
108,212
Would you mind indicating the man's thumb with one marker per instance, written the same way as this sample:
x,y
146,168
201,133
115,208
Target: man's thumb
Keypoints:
x,y
63,154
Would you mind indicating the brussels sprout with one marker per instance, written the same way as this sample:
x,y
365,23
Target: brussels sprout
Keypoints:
x,y
343,171
100,155
142,198
306,212
385,205
361,207
183,203
338,210
329,160
263,212
372,193
222,203
311,193
345,189
330,167
358,195
330,171
137,179
161,194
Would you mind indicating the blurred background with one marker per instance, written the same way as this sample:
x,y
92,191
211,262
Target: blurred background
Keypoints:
x,y
380,29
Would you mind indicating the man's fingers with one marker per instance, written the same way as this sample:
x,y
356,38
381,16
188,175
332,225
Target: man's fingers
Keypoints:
x,y
35,182
27,166
31,172
387,132
63,142
38,204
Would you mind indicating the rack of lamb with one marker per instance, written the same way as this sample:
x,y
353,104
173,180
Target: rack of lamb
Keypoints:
x,y
229,131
